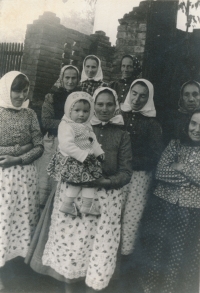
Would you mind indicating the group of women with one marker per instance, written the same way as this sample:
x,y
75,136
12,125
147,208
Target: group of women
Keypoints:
x,y
144,203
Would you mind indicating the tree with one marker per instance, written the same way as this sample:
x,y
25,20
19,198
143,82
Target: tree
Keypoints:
x,y
191,20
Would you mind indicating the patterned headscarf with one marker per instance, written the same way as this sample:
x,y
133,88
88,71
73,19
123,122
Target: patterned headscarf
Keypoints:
x,y
136,65
99,74
74,98
5,90
59,82
180,102
149,108
117,117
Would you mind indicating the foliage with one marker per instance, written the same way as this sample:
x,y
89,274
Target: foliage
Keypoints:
x,y
186,8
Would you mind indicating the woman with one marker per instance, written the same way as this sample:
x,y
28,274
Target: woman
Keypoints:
x,y
20,145
169,246
86,248
52,113
92,75
130,69
189,102
146,141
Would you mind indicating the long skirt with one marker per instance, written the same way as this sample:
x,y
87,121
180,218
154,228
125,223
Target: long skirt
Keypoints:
x,y
19,210
45,181
79,247
135,196
168,249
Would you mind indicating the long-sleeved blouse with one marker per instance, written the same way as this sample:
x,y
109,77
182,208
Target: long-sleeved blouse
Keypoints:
x,y
89,86
116,144
146,140
182,187
121,86
18,128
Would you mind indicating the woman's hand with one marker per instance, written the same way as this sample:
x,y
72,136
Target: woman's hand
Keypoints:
x,y
25,148
177,166
99,183
9,161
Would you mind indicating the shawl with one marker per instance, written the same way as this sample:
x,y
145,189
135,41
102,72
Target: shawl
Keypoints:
x,y
71,100
180,102
117,118
149,108
5,90
99,74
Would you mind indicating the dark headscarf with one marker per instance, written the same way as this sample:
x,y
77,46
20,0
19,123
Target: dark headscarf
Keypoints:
x,y
136,65
180,102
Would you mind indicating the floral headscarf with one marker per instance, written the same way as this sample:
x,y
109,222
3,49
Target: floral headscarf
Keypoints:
x,y
149,108
180,102
117,117
5,90
99,74
136,65
59,82
74,98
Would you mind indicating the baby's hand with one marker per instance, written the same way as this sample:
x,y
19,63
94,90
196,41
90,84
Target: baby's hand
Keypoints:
x,y
101,158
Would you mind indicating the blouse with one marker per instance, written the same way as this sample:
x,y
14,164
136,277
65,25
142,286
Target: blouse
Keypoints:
x,y
179,187
121,86
89,86
116,144
18,128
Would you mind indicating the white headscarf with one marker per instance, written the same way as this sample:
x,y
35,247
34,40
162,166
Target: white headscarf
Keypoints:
x,y
5,90
99,74
149,108
59,82
117,118
72,99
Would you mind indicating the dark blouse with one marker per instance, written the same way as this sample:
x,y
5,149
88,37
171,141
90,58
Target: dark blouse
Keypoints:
x,y
116,144
89,86
121,86
53,109
146,140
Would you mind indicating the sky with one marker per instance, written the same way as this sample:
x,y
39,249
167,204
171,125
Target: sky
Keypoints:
x,y
16,14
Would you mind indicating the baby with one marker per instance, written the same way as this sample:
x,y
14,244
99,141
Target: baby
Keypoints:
x,y
78,157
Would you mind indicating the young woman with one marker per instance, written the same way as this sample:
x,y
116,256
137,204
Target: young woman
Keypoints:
x,y
92,75
20,145
130,70
169,243
85,248
52,113
146,140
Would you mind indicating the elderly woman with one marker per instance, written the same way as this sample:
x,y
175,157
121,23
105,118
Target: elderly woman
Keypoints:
x,y
130,70
92,75
189,102
76,248
168,247
146,140
52,112
20,145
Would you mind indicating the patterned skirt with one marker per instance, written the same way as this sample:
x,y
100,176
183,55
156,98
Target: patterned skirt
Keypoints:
x,y
168,249
135,196
19,209
72,171
85,246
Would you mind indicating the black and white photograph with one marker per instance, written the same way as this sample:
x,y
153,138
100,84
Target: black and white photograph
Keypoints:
x,y
99,146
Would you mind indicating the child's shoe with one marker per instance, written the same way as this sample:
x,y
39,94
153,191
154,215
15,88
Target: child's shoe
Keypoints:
x,y
69,209
92,210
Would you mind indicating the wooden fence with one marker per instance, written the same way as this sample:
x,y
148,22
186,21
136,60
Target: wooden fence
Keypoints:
x,y
10,57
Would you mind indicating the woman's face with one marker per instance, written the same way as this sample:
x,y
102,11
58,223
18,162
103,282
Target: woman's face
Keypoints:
x,y
139,95
127,67
105,106
70,79
191,97
194,128
91,68
18,97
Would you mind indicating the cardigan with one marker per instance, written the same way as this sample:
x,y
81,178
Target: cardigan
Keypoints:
x,y
146,140
116,144
18,128
176,187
